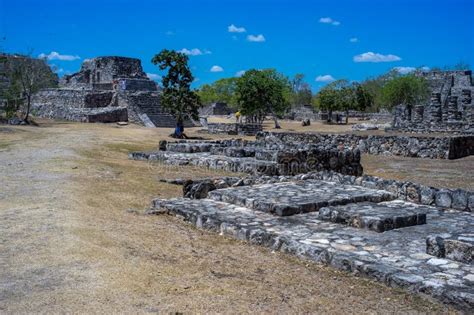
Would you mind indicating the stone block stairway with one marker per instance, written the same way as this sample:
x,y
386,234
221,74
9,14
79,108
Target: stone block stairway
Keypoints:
x,y
357,229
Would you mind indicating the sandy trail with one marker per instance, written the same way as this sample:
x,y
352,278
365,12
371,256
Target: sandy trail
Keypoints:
x,y
69,245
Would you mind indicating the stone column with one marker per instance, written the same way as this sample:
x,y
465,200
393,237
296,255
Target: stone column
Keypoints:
x,y
452,110
417,115
435,108
467,106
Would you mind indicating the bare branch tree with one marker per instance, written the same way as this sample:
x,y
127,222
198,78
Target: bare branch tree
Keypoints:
x,y
31,75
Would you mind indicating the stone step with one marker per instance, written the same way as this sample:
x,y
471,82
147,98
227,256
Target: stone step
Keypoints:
x,y
458,246
378,217
289,198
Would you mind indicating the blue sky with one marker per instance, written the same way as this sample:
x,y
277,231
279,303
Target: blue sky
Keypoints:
x,y
227,37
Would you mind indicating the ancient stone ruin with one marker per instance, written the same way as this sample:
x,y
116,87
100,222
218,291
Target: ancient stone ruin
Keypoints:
x,y
265,157
106,89
218,108
450,107
306,195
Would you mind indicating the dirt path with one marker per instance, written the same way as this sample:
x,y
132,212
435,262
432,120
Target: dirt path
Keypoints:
x,y
68,243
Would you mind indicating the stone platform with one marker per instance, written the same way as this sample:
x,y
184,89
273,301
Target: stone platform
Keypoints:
x,y
376,217
257,157
290,198
395,257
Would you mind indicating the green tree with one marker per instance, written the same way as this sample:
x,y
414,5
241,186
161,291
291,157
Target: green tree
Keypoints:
x,y
364,99
326,99
177,98
337,96
408,90
262,92
222,90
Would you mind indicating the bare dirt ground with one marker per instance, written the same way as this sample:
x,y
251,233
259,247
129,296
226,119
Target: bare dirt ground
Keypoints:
x,y
68,244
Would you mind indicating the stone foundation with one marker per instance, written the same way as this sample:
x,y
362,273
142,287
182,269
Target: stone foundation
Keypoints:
x,y
384,241
257,157
410,146
234,129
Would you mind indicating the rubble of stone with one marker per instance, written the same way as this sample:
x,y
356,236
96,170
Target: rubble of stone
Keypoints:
x,y
302,112
242,129
370,126
450,108
437,147
457,246
266,157
106,89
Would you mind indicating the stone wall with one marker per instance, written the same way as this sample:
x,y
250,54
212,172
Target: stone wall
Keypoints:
x,y
234,129
259,157
410,146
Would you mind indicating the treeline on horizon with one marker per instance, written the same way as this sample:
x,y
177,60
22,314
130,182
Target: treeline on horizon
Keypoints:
x,y
373,94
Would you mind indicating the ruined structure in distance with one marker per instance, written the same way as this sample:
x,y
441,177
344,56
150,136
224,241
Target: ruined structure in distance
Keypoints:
x,y
106,89
450,107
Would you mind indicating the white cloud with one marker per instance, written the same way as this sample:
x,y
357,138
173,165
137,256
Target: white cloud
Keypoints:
x,y
234,29
240,73
194,52
154,76
324,78
256,38
374,57
328,20
354,40
216,69
57,56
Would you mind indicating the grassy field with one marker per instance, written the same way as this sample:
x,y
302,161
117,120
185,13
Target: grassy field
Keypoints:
x,y
74,239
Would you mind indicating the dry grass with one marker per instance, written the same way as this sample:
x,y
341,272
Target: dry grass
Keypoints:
x,y
70,245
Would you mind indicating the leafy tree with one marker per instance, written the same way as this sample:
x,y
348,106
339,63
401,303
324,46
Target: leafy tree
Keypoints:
x,y
262,92
364,99
338,95
27,76
222,90
326,100
408,90
374,87
177,98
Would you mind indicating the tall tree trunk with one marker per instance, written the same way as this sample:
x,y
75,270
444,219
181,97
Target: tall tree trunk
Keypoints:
x,y
28,106
347,116
275,120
